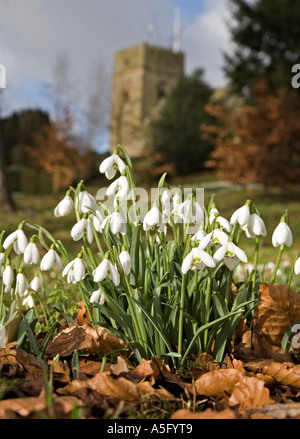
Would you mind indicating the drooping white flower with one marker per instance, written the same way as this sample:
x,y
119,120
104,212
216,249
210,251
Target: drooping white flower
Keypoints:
x,y
86,202
8,275
119,188
28,301
75,271
125,260
82,227
199,236
224,223
231,254
98,296
153,220
21,284
19,241
241,216
97,219
106,268
255,227
50,259
64,207
191,212
215,238
116,222
111,165
31,254
282,235
213,214
35,284
197,259
297,266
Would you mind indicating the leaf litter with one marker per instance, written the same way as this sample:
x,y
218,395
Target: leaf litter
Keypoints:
x,y
256,379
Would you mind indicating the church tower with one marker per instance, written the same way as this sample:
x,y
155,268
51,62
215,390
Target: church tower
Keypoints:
x,y
143,77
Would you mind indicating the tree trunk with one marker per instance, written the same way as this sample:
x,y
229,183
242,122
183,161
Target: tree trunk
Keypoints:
x,y
6,201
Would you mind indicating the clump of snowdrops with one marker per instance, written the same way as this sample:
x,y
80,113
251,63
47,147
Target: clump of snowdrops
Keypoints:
x,y
162,281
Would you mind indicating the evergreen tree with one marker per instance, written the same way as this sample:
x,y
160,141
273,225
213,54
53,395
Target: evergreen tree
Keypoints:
x,y
266,34
177,131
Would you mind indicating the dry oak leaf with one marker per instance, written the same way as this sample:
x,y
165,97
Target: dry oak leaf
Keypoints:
x,y
84,338
249,393
113,388
123,366
29,407
287,374
206,414
278,310
217,382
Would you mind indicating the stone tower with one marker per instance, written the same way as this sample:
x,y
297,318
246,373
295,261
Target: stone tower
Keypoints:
x,y
143,77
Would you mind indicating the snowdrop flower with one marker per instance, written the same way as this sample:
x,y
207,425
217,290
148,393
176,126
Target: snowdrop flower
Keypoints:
x,y
50,259
35,284
255,227
198,237
213,214
64,207
75,271
21,284
197,259
31,254
82,227
19,241
297,266
119,188
231,253
125,260
106,268
116,222
28,301
2,336
153,220
241,216
190,211
8,276
111,165
97,218
98,296
217,237
224,223
86,202
282,235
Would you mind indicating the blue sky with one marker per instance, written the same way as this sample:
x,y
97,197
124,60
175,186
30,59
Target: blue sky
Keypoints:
x,y
89,32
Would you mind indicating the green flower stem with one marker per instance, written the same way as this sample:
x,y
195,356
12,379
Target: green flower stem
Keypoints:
x,y
90,252
280,252
181,312
228,286
207,304
98,242
292,270
128,293
257,239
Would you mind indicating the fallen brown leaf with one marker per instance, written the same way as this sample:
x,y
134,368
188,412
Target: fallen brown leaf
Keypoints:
x,y
276,411
119,389
278,310
92,340
217,382
287,374
249,393
206,414
32,406
82,317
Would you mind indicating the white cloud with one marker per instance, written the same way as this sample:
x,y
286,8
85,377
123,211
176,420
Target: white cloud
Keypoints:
x,y
205,39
